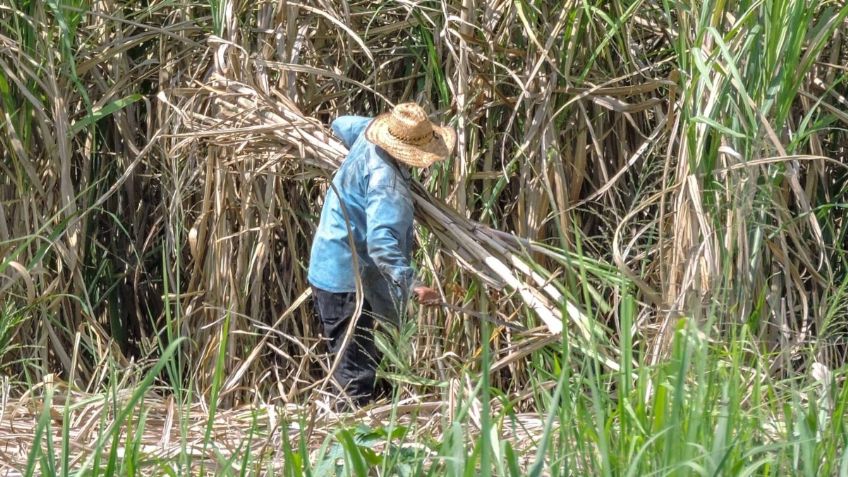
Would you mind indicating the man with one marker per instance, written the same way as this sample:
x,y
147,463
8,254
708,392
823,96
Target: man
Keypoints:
x,y
366,234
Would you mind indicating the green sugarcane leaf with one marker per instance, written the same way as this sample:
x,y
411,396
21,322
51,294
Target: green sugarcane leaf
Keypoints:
x,y
101,113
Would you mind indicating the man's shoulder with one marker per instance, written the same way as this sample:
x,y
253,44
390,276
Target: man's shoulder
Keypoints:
x,y
384,171
350,128
354,173
374,166
368,155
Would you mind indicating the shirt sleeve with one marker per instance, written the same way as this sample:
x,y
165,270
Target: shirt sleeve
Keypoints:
x,y
389,214
348,128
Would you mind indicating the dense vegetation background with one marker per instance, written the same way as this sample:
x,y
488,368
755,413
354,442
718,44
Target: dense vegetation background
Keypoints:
x,y
665,181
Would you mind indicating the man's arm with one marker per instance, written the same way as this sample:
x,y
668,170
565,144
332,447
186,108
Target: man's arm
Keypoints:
x,y
389,215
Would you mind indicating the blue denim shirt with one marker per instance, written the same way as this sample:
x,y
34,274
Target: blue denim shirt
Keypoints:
x,y
368,209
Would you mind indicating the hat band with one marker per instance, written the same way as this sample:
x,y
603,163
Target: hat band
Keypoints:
x,y
415,141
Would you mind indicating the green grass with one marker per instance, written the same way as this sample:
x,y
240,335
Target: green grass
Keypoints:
x,y
711,408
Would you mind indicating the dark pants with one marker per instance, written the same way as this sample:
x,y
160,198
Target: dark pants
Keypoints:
x,y
357,366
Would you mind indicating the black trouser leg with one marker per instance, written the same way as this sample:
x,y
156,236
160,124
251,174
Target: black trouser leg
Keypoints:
x,y
357,367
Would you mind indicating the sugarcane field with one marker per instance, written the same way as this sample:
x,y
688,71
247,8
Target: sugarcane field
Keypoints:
x,y
319,238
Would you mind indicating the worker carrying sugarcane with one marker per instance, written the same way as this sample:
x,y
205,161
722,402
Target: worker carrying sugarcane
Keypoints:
x,y
365,234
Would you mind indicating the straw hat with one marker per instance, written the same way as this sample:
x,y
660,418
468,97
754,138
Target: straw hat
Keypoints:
x,y
410,137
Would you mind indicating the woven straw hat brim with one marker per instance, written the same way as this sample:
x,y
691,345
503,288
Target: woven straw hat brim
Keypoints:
x,y
438,148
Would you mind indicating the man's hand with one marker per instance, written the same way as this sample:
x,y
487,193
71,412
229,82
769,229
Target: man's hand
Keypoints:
x,y
427,296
